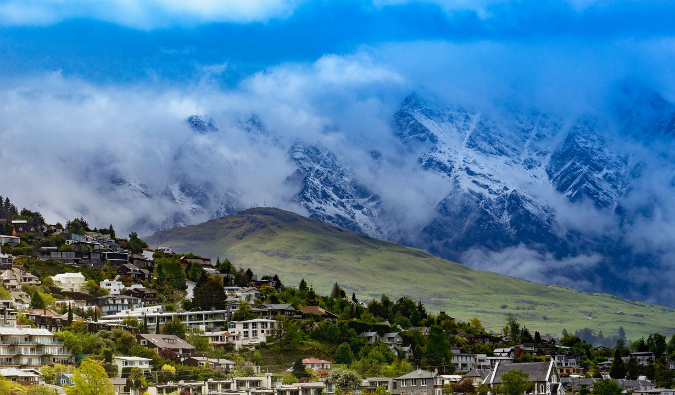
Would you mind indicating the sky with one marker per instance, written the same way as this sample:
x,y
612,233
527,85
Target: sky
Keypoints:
x,y
92,89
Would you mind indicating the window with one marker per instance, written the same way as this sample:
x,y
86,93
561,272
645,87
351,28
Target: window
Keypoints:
x,y
254,325
144,342
423,382
245,325
254,333
245,333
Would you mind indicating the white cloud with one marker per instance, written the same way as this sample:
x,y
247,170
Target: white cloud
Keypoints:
x,y
144,14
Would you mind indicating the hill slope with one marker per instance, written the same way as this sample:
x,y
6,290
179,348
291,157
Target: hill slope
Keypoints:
x,y
275,241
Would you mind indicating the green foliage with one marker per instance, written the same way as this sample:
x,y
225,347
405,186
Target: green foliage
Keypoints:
x,y
397,368
243,312
170,272
287,333
606,387
303,285
437,350
78,226
135,244
210,295
632,369
37,301
515,382
299,370
344,354
344,379
617,370
657,344
89,379
175,327
131,321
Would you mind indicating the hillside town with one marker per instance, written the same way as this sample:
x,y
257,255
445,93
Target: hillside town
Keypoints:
x,y
83,307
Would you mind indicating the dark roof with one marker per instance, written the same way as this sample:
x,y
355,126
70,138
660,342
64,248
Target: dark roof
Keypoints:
x,y
163,341
418,374
537,371
482,373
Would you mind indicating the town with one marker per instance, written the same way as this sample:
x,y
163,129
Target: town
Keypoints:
x,y
83,308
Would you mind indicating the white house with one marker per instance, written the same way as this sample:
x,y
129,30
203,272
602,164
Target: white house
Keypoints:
x,y
113,286
315,363
252,331
69,281
132,362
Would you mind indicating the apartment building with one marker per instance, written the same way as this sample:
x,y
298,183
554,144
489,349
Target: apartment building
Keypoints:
x,y
251,332
206,320
31,348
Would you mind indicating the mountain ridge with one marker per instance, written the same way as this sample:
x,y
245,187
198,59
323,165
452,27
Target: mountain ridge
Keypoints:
x,y
273,241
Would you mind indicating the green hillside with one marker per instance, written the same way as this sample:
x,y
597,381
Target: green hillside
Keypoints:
x,y
273,241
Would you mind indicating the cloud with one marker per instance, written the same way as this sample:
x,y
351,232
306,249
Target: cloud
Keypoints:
x,y
526,263
145,14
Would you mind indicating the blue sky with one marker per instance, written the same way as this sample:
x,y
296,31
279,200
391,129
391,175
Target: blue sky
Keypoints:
x,y
152,41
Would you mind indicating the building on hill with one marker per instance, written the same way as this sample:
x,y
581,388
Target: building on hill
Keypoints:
x,y
544,375
315,363
23,227
218,364
147,296
163,342
270,310
116,258
316,310
132,362
205,262
113,304
206,320
31,348
132,271
251,332
113,286
14,279
371,337
72,282
27,377
6,261
11,240
418,382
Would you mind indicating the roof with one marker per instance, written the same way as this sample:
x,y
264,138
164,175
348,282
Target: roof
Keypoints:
x,y
418,374
537,371
132,358
118,381
482,373
13,372
163,341
315,310
24,331
315,360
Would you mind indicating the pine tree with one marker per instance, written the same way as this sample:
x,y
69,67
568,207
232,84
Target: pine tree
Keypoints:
x,y
70,314
303,285
36,301
344,354
617,370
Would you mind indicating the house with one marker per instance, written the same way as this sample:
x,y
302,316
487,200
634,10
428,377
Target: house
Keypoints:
x,y
392,338
544,375
264,281
132,362
314,363
251,332
463,362
157,315
220,338
6,261
118,385
27,377
72,282
371,337
23,226
112,304
13,279
163,342
31,348
205,262
65,379
147,296
217,364
116,258
132,271
643,358
418,382
11,240
324,314
113,286
373,383
476,376
487,363
505,352
274,310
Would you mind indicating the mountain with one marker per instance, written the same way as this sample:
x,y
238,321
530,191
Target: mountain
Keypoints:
x,y
273,241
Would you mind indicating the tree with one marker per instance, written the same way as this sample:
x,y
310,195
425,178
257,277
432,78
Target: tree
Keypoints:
x,y
111,230
91,379
606,387
210,295
337,292
632,369
464,387
344,354
135,245
617,370
37,302
70,314
512,329
515,382
537,337
78,226
437,350
48,374
287,333
657,344
344,378
243,312
299,370
303,285
175,327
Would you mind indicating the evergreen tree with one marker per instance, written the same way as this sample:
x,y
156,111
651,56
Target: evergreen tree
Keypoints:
x,y
303,285
344,354
437,350
70,314
337,292
210,294
175,327
112,232
311,298
537,337
606,387
356,301
37,302
622,333
299,370
617,370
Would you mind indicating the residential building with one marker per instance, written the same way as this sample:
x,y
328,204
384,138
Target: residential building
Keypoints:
x,y
66,379
418,382
476,376
251,332
643,358
162,342
132,271
463,362
544,375
487,363
11,240
269,310
132,362
392,338
13,279
372,383
316,310
220,338
6,261
113,286
207,320
31,348
113,304
217,364
27,377
371,337
116,258
315,363
72,282
147,296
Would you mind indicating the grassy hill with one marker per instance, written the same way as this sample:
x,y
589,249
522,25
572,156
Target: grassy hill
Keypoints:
x,y
273,241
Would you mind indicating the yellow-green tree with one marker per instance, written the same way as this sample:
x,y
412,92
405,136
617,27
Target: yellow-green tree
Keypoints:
x,y
91,379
